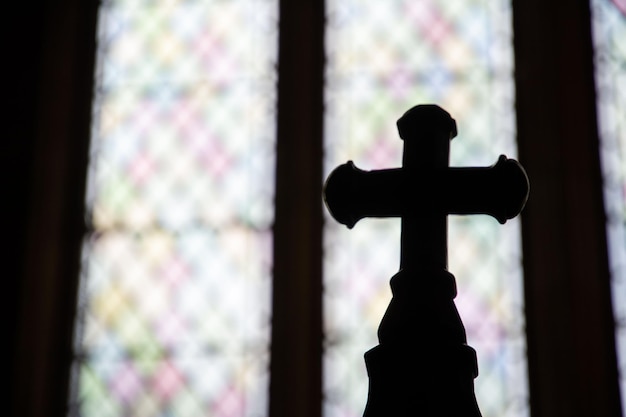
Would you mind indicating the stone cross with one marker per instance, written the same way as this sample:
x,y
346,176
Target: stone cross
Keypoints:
x,y
423,365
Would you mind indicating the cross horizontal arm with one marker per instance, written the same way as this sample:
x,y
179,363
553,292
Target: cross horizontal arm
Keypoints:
x,y
500,191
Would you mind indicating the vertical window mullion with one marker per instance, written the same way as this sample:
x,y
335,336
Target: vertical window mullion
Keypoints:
x,y
295,387
571,347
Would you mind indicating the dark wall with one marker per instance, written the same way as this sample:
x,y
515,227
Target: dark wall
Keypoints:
x,y
49,76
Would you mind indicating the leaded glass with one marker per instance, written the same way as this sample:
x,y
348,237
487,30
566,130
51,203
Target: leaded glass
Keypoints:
x,y
383,58
609,32
175,290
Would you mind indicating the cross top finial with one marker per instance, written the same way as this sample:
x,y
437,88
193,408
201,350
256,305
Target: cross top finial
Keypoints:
x,y
425,116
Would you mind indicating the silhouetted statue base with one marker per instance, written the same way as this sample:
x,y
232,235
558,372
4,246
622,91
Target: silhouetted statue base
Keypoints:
x,y
422,366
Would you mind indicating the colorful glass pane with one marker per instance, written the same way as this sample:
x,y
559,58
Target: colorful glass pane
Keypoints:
x,y
609,32
174,312
383,58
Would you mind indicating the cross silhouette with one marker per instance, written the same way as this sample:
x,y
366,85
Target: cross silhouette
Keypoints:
x,y
423,365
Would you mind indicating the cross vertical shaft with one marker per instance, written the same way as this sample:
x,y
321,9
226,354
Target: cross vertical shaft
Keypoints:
x,y
426,131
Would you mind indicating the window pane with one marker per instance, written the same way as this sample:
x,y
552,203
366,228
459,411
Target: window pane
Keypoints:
x,y
175,290
609,31
383,58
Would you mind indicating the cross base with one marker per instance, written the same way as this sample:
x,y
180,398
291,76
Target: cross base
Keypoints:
x,y
422,366
422,382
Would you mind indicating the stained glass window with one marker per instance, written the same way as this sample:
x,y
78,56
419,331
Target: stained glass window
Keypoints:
x,y
609,32
383,58
175,288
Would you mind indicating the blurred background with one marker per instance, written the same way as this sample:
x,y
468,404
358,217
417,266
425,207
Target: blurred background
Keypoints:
x,y
169,253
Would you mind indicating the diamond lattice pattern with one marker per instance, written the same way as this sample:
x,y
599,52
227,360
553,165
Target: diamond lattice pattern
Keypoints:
x,y
175,291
